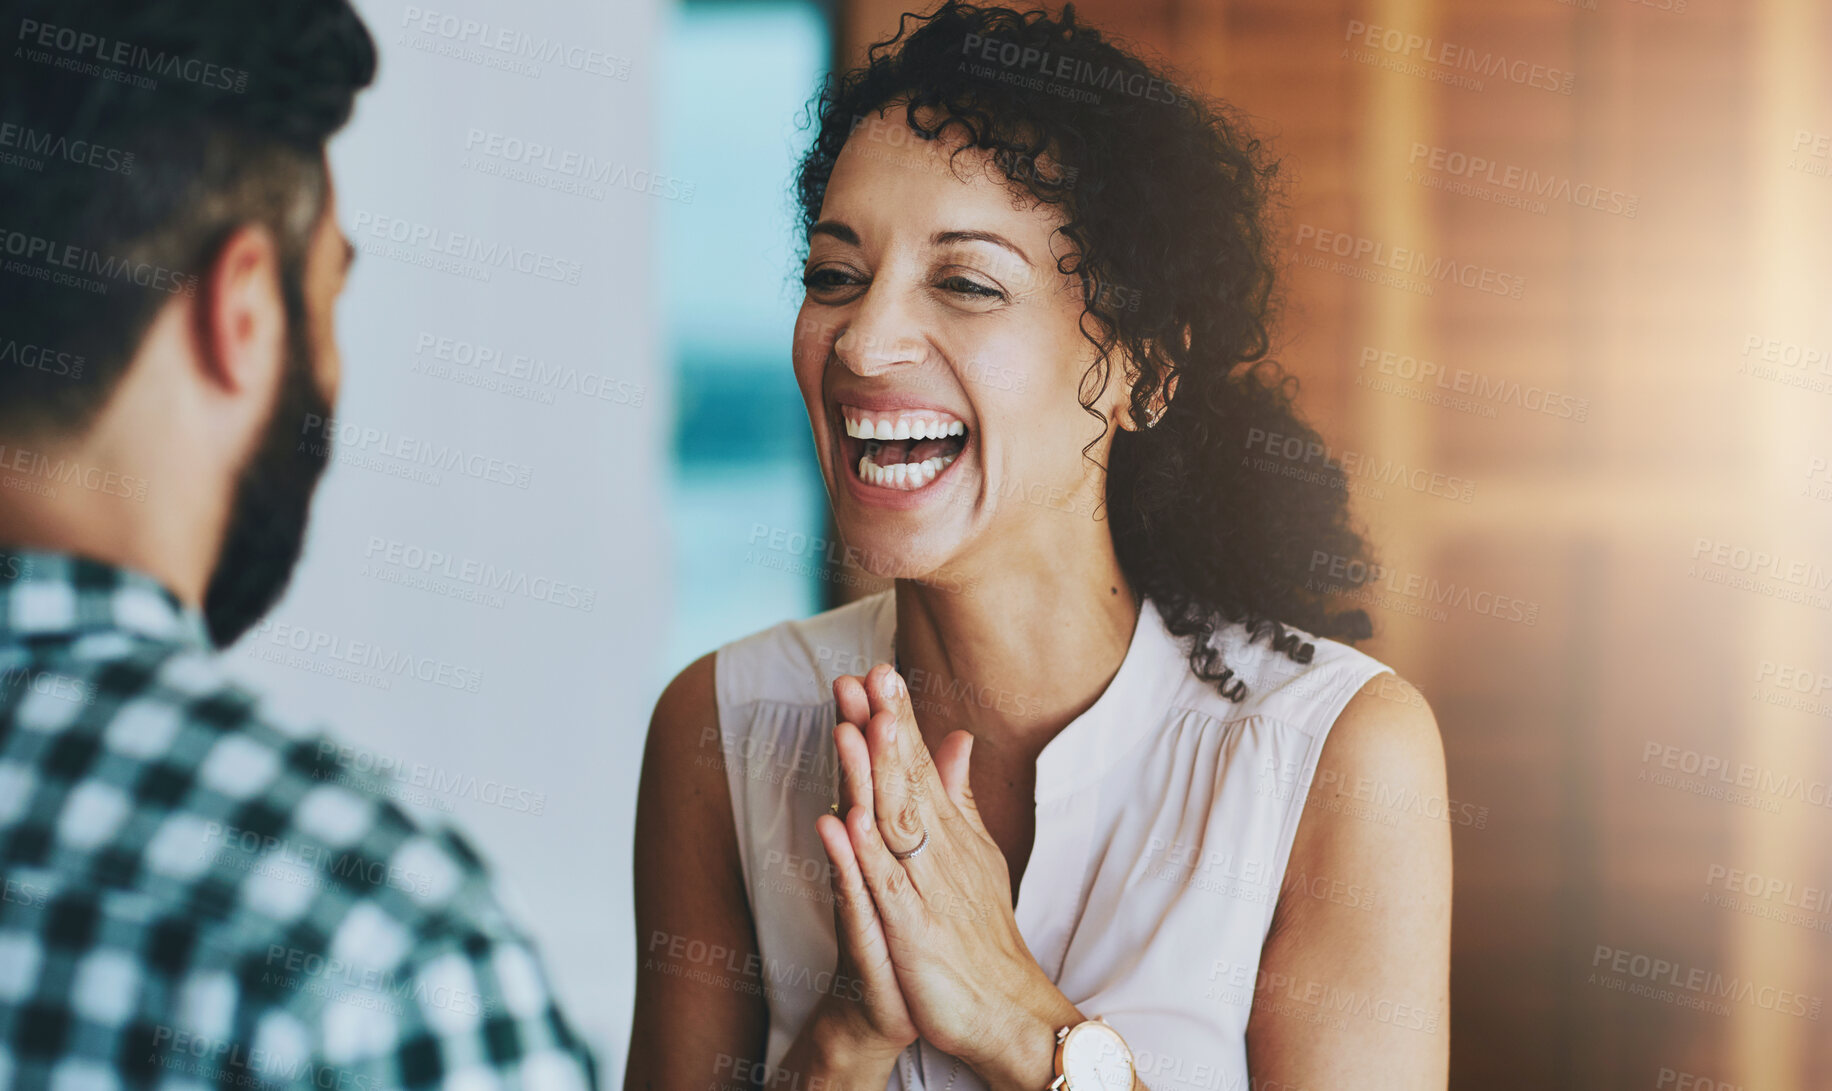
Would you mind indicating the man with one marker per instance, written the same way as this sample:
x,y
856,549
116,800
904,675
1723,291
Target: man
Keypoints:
x,y
194,892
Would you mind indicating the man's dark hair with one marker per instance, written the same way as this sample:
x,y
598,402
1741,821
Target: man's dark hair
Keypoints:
x,y
135,137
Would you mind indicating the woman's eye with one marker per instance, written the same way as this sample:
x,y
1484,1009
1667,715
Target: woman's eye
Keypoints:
x,y
971,287
826,279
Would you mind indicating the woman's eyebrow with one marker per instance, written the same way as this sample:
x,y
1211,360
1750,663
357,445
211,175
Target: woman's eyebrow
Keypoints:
x,y
836,229
942,238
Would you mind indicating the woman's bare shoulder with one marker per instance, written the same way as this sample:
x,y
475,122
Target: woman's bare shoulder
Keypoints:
x,y
690,896
1364,911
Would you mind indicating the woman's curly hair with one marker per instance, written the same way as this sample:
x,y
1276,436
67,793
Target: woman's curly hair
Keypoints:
x,y
1166,198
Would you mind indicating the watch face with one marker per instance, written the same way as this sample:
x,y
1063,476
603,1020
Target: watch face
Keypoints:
x,y
1095,1058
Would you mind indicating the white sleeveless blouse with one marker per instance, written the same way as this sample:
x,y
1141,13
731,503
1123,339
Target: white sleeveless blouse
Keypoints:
x,y
1165,817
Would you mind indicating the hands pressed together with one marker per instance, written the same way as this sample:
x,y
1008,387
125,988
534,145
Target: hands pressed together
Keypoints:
x,y
926,927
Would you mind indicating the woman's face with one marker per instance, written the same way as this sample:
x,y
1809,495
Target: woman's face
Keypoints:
x,y
940,354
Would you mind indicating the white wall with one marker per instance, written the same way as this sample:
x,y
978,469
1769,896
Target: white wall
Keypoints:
x,y
562,694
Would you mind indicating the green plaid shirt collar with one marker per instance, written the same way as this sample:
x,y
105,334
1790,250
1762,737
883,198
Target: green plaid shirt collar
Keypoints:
x,y
46,595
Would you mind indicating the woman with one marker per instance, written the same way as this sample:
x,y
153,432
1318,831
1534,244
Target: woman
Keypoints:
x,y
1057,774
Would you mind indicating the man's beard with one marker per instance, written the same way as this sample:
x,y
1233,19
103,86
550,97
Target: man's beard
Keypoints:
x,y
273,497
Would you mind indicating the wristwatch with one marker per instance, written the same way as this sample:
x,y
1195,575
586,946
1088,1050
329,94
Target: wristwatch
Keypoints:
x,y
1091,1056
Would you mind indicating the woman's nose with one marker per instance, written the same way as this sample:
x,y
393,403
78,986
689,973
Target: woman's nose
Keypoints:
x,y
881,335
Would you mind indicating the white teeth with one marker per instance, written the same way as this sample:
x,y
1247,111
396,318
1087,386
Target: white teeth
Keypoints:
x,y
907,476
919,424
923,424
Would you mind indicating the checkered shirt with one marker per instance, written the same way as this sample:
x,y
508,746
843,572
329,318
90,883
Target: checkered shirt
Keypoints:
x,y
197,894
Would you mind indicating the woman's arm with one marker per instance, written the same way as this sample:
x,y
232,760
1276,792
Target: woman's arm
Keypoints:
x,y
693,1030
690,1031
1355,975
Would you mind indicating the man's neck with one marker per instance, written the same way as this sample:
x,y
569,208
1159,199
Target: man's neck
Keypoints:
x,y
92,500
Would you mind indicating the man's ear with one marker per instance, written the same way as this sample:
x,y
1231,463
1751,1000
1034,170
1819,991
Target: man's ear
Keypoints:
x,y
241,315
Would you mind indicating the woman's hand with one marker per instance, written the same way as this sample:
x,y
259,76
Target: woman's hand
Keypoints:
x,y
971,986
864,1013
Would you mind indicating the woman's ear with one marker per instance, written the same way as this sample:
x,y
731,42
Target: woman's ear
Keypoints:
x,y
1160,398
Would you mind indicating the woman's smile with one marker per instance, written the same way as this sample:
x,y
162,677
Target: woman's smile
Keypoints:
x,y
903,450
888,455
